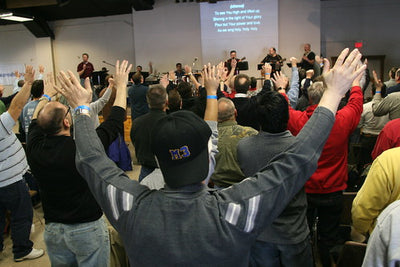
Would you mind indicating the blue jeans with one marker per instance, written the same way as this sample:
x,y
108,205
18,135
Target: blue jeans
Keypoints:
x,y
275,255
15,198
82,244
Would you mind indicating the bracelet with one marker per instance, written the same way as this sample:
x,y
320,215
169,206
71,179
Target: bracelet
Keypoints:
x,y
82,107
48,97
377,92
267,73
211,97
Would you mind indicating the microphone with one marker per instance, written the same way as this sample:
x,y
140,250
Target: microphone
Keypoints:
x,y
105,62
194,61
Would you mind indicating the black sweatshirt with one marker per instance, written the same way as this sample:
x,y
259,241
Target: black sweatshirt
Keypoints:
x,y
66,197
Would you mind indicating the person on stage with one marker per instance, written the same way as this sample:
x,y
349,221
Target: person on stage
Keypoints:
x,y
85,68
307,62
273,59
229,63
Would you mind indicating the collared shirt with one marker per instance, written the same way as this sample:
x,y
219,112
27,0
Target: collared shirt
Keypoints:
x,y
87,72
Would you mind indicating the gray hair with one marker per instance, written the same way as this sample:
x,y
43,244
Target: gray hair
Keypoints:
x,y
315,92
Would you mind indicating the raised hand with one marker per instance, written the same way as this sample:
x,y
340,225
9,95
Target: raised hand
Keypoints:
x,y
29,74
309,74
41,69
340,77
211,82
164,81
120,80
188,69
121,74
171,75
72,90
221,71
50,87
17,74
378,83
267,68
293,60
280,80
87,84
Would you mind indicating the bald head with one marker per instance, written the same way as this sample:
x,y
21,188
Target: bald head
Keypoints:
x,y
226,110
52,119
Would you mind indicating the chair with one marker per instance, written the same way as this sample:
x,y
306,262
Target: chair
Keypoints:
x,y
352,254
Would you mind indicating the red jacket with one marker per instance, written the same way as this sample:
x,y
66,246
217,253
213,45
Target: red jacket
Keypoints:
x,y
331,174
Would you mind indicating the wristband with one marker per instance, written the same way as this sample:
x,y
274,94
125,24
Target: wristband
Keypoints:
x,y
377,92
267,73
48,97
211,97
82,107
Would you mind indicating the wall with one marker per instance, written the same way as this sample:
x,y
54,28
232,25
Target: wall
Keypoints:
x,y
165,35
168,34
103,38
372,22
171,32
299,23
19,46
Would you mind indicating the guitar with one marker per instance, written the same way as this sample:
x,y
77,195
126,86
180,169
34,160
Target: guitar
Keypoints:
x,y
276,65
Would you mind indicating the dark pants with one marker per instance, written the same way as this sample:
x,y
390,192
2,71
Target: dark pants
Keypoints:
x,y
275,255
144,171
15,198
328,208
367,145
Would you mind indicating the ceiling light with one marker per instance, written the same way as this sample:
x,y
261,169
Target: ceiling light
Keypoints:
x,y
11,16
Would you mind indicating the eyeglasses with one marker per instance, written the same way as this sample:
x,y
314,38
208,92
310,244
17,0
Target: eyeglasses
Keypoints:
x,y
69,108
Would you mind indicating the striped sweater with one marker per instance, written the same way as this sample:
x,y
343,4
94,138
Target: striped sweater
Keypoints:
x,y
12,156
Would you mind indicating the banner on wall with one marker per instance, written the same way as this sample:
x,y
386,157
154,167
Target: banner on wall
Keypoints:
x,y
7,76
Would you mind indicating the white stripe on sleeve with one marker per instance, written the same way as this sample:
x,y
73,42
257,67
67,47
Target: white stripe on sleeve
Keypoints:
x,y
126,201
111,192
233,212
251,213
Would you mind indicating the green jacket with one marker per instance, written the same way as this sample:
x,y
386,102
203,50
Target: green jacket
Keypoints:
x,y
227,170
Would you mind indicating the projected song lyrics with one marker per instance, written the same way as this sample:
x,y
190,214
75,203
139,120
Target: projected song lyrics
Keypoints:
x,y
237,19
